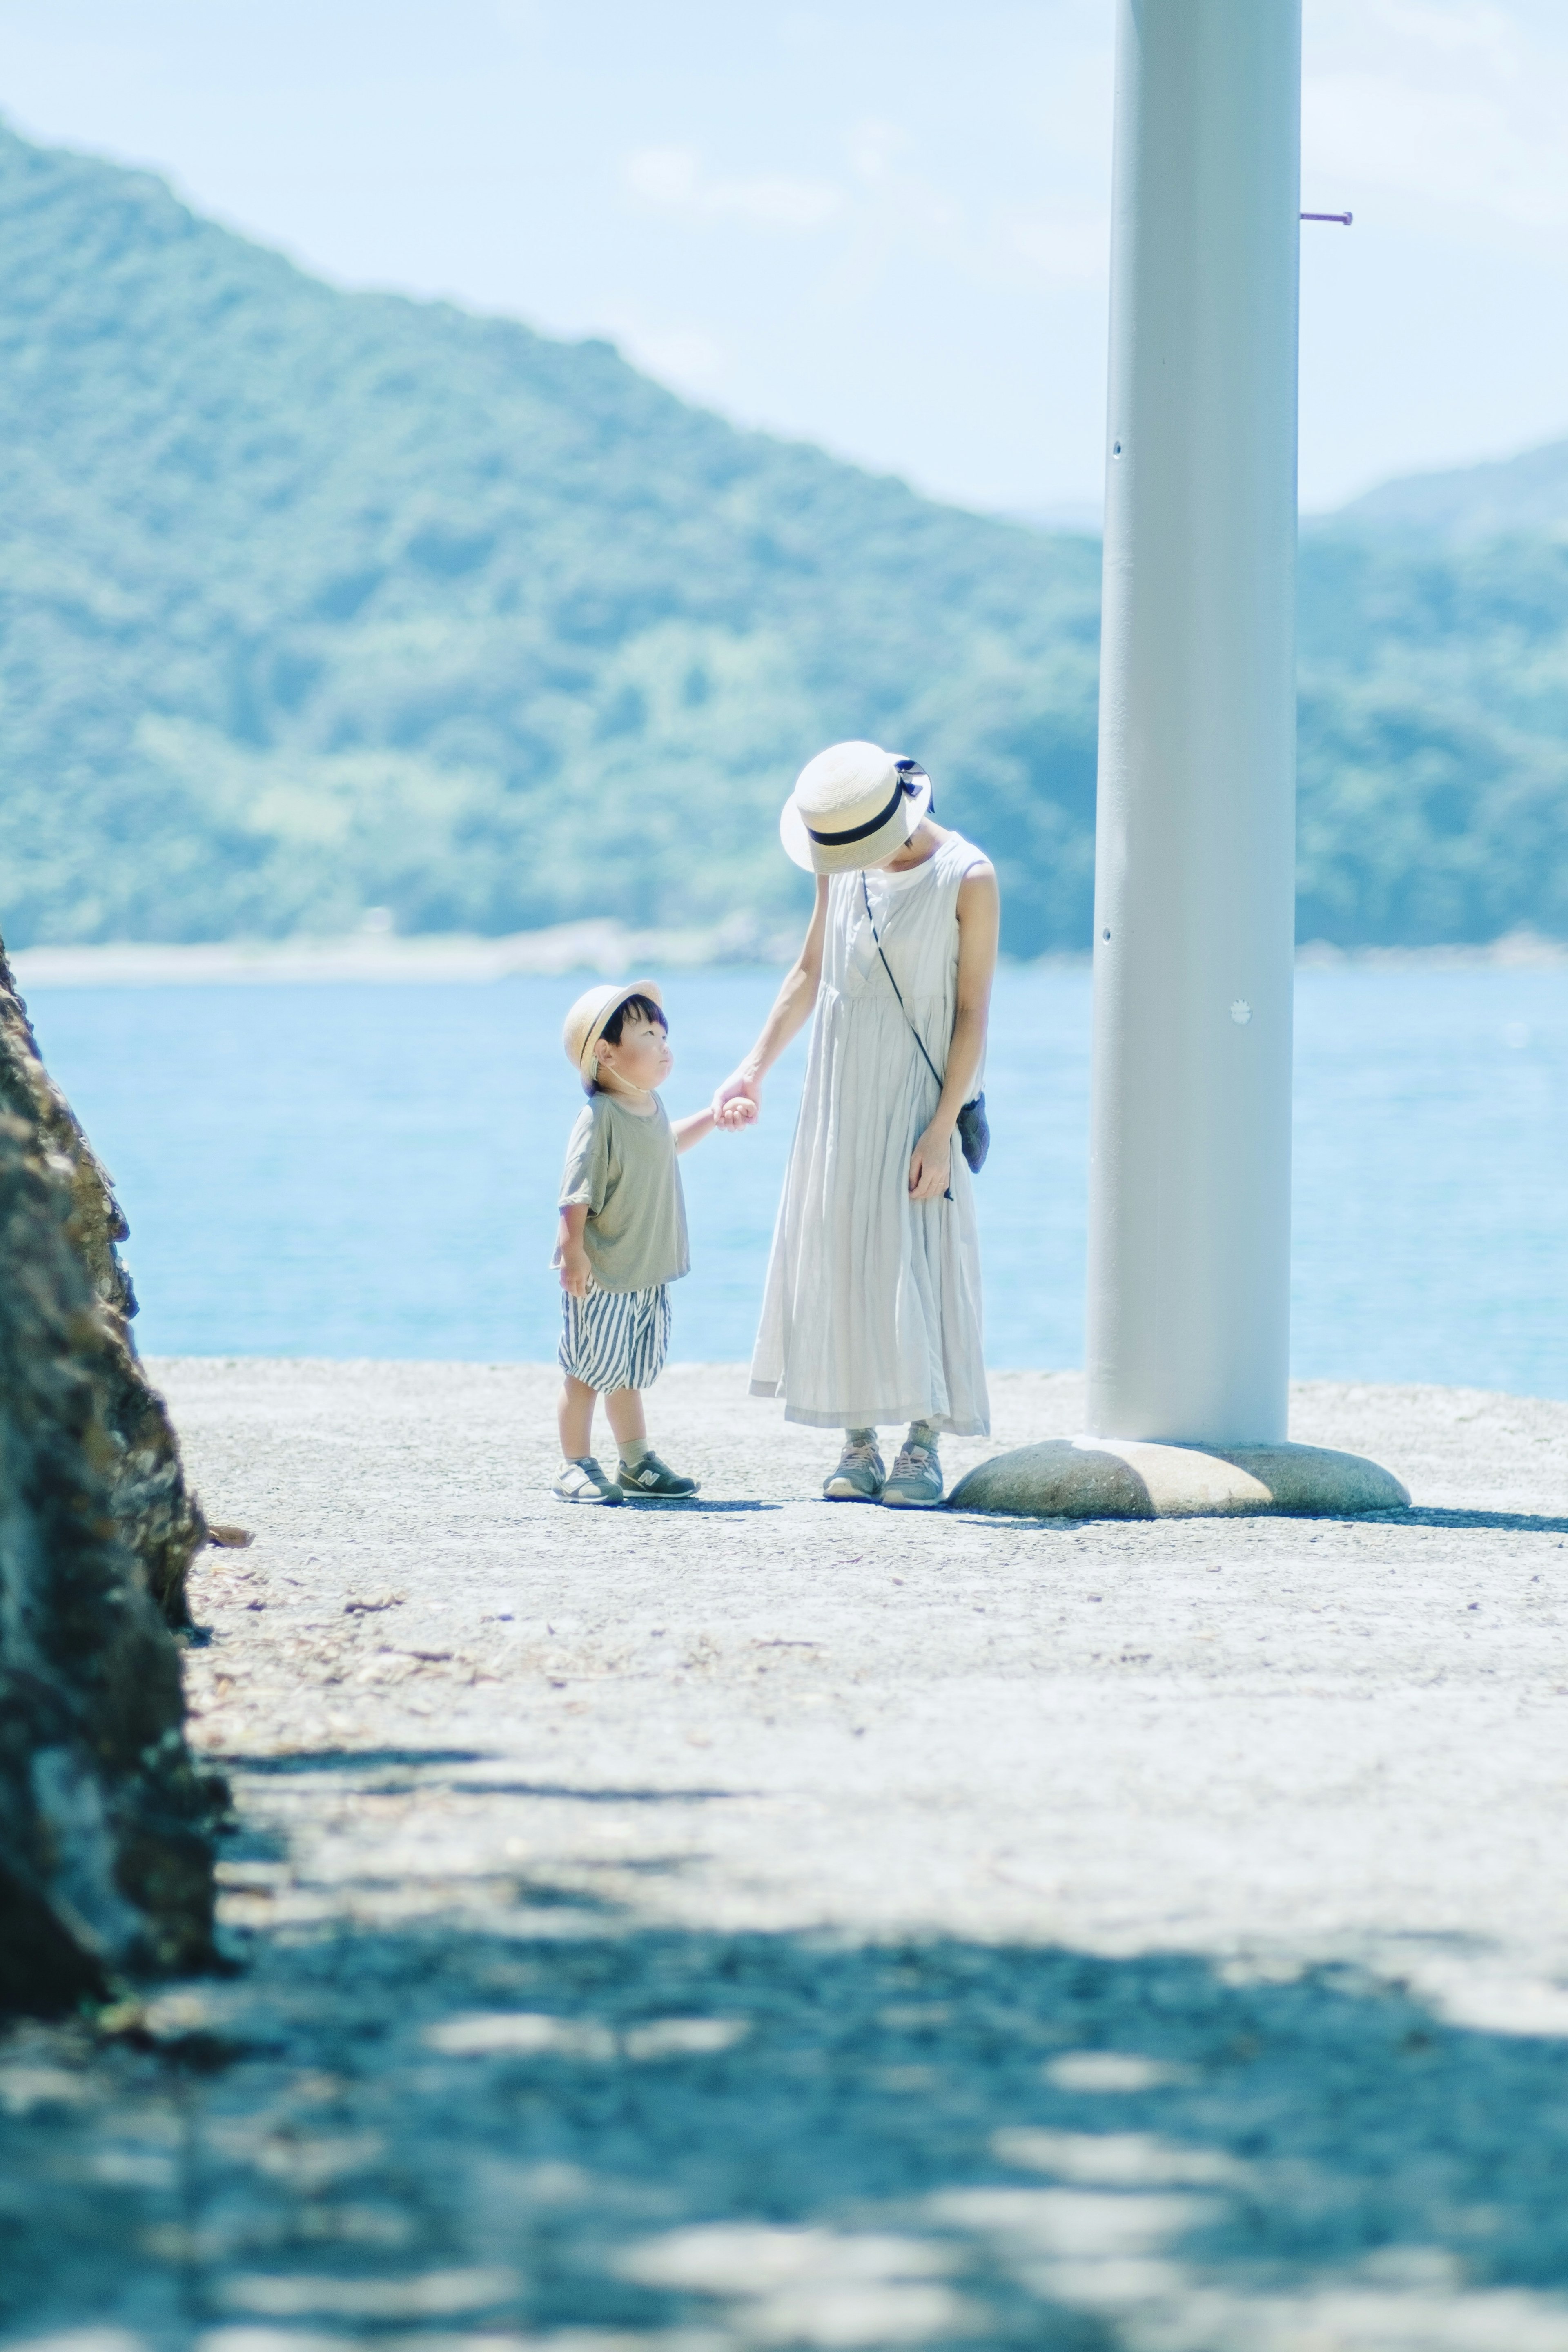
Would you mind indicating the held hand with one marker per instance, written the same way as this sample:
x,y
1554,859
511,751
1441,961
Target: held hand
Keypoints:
x,y
737,1104
931,1164
575,1273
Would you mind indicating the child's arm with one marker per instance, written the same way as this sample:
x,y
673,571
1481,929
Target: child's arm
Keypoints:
x,y
574,1266
687,1131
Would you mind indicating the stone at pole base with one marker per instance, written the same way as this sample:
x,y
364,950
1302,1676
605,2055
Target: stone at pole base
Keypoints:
x,y
1128,1478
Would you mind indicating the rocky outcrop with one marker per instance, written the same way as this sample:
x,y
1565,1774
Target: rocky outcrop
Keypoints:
x,y
105,1849
157,1513
106,1862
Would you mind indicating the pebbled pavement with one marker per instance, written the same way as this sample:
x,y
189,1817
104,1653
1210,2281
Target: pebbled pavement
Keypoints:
x,y
763,1922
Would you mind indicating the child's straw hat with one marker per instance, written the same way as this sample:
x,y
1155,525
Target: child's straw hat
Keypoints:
x,y
586,1021
852,805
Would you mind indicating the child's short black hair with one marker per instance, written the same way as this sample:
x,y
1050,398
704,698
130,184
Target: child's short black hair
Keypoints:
x,y
645,1009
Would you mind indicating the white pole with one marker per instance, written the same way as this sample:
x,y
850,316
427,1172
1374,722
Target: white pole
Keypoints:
x,y
1189,1156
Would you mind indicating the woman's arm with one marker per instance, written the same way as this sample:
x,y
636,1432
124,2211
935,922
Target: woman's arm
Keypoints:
x,y
739,1099
979,922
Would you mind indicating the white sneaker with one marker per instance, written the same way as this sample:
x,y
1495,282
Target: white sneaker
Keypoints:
x,y
584,1482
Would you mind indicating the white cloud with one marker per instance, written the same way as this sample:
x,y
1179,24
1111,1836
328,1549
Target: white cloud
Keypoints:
x,y
671,179
1061,251
1454,109
688,358
1455,30
875,148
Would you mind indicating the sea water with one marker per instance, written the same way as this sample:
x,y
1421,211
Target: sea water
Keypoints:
x,y
345,1170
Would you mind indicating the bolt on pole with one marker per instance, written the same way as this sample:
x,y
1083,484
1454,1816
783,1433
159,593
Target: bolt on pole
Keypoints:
x,y
1194,936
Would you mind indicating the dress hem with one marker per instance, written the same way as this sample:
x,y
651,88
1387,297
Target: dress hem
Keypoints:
x,y
882,1416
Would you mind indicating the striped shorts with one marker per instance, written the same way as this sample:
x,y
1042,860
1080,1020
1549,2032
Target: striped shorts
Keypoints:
x,y
616,1338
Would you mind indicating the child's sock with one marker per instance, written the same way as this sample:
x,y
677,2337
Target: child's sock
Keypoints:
x,y
922,1432
633,1449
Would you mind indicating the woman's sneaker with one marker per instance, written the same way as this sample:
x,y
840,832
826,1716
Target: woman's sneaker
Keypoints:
x,y
860,1476
654,1481
584,1482
915,1483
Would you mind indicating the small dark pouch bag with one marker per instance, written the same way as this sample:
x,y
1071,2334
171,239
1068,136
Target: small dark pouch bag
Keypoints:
x,y
974,1127
974,1131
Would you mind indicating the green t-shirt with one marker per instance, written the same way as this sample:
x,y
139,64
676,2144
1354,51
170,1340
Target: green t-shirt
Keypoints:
x,y
625,1168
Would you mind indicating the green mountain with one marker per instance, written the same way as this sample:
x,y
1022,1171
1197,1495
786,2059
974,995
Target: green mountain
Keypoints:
x,y
312,602
1434,738
316,601
1511,497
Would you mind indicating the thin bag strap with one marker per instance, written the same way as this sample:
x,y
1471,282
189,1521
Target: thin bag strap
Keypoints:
x,y
898,992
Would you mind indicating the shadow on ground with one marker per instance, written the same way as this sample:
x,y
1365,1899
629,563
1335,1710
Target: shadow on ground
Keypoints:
x,y
563,2120
1529,1523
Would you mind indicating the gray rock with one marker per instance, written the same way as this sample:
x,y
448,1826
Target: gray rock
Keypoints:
x,y
1116,1478
156,1512
106,1862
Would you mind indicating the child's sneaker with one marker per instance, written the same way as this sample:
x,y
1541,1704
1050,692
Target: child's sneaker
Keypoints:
x,y
860,1475
915,1483
584,1482
654,1481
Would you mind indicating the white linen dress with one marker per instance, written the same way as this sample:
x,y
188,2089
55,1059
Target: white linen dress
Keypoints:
x,y
871,1313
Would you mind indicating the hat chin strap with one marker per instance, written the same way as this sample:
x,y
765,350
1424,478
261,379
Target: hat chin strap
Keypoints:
x,y
610,1081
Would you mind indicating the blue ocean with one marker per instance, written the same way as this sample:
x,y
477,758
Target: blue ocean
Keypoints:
x,y
370,1170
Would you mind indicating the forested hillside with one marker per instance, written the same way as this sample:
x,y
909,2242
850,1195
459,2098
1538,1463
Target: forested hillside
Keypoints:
x,y
1528,494
313,601
1434,738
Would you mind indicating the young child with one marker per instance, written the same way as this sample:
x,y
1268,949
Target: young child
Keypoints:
x,y
622,1240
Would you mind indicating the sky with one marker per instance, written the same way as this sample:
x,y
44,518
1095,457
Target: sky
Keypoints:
x,y
882,227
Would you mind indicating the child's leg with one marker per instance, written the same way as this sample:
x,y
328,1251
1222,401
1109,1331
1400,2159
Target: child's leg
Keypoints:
x,y
640,1474
624,1408
575,1416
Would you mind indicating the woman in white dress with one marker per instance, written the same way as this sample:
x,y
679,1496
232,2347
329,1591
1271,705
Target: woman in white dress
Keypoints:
x,y
871,1314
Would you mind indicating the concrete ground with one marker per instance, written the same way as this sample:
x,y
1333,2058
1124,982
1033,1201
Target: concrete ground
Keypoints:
x,y
764,1923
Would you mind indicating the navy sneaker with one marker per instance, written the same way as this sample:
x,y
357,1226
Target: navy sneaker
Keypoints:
x,y
653,1480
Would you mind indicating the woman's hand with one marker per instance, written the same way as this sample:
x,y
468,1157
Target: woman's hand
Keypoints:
x,y
930,1163
738,1103
575,1269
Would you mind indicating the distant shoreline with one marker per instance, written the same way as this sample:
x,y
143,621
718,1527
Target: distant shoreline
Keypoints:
x,y
380,958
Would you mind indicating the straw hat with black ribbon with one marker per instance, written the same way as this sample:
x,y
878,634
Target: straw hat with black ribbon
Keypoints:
x,y
853,805
591,1015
